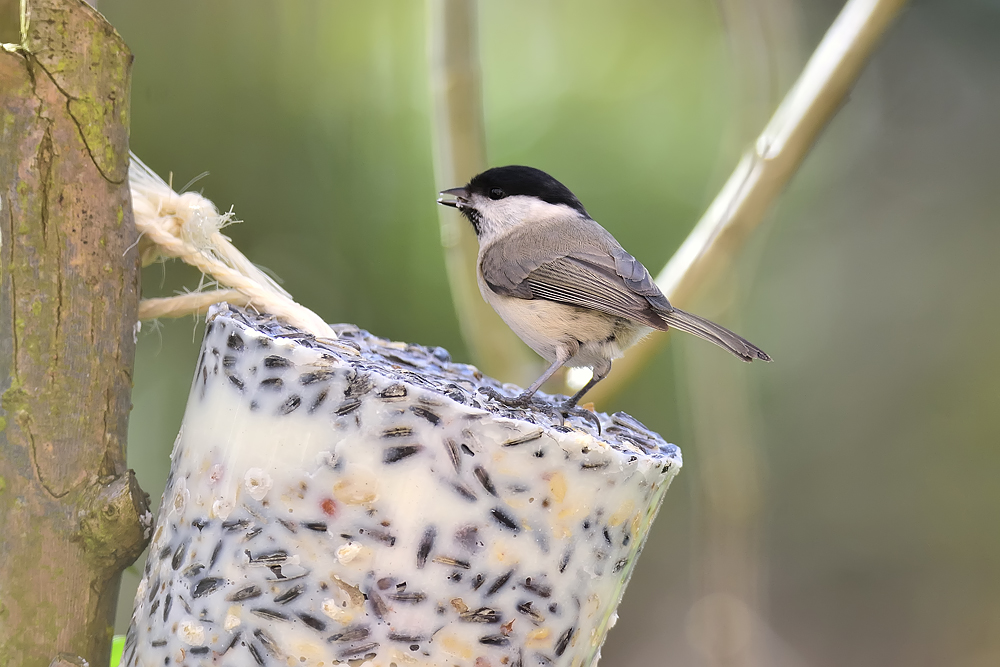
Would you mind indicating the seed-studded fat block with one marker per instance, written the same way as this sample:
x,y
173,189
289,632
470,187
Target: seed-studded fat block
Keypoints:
x,y
356,501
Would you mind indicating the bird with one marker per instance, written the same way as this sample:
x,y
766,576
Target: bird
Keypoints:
x,y
562,282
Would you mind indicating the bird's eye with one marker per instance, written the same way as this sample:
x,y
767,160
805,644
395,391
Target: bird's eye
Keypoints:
x,y
497,193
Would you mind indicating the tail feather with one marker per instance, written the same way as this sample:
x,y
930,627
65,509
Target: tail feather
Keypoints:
x,y
714,333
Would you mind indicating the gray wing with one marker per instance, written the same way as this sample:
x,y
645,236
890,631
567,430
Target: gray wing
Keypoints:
x,y
548,264
581,264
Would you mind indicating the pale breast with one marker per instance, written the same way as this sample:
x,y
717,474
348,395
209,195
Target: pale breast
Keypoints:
x,y
544,324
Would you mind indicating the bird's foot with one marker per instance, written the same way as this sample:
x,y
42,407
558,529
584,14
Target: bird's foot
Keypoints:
x,y
560,412
521,401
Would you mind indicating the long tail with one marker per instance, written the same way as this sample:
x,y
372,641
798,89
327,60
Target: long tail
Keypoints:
x,y
711,331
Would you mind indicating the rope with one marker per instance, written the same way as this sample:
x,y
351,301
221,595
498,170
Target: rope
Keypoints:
x,y
186,227
195,303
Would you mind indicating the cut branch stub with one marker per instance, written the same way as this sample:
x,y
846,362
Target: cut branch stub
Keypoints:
x,y
115,524
69,509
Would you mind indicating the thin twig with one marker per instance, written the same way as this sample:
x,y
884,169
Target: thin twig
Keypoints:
x,y
460,153
767,167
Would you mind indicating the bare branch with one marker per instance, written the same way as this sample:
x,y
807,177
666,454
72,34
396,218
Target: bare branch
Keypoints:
x,y
460,153
766,168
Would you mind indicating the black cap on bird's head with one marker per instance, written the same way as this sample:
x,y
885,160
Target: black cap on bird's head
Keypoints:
x,y
501,182
514,180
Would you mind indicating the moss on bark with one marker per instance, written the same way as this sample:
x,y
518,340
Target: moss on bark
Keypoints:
x,y
70,511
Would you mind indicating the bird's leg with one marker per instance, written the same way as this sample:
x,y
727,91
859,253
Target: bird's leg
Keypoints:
x,y
563,354
570,407
571,403
600,372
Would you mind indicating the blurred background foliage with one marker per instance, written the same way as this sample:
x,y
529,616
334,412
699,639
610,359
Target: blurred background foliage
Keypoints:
x,y
837,507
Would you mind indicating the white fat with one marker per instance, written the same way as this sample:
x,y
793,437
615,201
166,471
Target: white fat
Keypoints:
x,y
307,499
348,552
257,483
191,633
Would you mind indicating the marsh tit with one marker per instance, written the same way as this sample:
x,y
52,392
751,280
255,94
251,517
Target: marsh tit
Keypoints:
x,y
562,282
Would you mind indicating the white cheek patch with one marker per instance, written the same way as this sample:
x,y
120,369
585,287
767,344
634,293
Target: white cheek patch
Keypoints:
x,y
503,215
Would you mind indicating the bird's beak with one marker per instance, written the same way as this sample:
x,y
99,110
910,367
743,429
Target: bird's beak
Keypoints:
x,y
460,201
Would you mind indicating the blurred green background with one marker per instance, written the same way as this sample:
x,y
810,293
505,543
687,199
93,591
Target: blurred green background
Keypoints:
x,y
840,506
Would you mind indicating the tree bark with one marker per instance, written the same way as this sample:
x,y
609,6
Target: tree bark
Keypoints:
x,y
71,515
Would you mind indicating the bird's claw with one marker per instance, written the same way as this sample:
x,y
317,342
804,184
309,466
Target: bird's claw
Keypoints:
x,y
583,413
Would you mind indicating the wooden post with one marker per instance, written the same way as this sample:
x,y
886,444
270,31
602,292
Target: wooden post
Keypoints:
x,y
71,515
